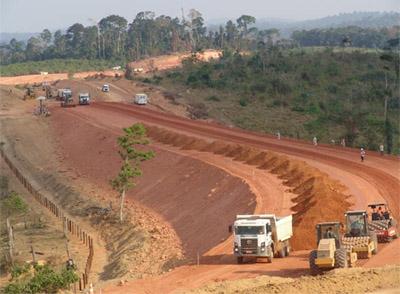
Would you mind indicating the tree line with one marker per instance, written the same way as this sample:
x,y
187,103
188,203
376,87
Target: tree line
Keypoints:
x,y
147,35
113,38
349,36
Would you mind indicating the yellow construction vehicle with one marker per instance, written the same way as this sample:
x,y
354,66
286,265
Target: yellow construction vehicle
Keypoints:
x,y
358,235
330,253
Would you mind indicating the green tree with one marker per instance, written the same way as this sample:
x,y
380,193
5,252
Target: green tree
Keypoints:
x,y
131,160
14,204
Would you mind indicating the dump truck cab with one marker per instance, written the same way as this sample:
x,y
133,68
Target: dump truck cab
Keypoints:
x,y
141,99
262,235
84,99
105,88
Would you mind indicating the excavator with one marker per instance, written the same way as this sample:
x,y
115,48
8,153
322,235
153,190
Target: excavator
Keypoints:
x,y
331,252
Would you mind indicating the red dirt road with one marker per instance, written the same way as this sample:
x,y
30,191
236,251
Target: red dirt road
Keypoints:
x,y
377,178
382,172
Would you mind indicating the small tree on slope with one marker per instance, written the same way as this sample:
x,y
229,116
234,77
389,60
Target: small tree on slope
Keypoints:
x,y
131,159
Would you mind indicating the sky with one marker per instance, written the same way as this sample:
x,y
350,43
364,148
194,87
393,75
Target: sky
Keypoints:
x,y
36,15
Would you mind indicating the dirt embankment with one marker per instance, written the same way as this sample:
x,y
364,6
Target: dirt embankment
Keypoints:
x,y
199,201
349,281
319,198
130,246
37,79
165,62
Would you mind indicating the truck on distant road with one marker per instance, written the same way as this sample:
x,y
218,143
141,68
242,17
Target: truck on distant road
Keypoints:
x,y
84,99
141,99
261,236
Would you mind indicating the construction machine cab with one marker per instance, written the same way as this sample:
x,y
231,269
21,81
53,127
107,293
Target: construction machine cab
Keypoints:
x,y
329,230
379,211
356,223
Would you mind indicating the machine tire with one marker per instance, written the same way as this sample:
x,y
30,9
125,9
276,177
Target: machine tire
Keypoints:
x,y
315,270
282,252
341,258
240,259
271,257
374,239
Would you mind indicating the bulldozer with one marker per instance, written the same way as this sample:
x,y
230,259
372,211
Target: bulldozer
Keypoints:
x,y
330,253
358,235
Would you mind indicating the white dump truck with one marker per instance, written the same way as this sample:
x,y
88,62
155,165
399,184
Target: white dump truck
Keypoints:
x,y
64,93
141,99
84,99
261,236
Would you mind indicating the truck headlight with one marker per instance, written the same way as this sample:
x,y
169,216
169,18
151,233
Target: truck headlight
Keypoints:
x,y
262,245
236,247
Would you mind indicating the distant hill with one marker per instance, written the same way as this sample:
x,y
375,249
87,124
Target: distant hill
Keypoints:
x,y
359,19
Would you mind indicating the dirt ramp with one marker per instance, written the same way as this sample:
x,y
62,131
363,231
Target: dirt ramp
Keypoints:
x,y
319,198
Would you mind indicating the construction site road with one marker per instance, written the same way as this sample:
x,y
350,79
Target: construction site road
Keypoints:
x,y
376,179
382,172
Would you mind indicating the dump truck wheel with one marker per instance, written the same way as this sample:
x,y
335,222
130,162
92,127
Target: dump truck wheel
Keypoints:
x,y
341,258
240,259
315,270
270,249
287,250
282,252
374,239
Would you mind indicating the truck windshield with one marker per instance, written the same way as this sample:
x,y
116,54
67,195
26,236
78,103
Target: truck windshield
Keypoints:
x,y
249,230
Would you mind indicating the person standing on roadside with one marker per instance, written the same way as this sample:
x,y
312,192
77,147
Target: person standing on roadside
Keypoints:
x,y
278,135
315,141
362,154
343,142
381,149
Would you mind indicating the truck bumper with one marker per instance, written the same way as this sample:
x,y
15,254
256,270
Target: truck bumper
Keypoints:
x,y
251,253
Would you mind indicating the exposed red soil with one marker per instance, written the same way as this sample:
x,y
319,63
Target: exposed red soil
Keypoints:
x,y
189,209
165,62
249,149
318,197
382,172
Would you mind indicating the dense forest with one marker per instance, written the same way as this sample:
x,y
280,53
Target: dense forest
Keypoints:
x,y
331,94
113,38
352,36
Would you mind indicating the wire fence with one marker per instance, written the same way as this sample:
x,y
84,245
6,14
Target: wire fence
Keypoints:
x,y
69,225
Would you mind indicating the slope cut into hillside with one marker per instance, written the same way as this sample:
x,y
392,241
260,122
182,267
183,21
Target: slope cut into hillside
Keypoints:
x,y
319,198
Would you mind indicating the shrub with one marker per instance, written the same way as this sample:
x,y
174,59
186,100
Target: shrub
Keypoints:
x,y
14,204
243,102
45,280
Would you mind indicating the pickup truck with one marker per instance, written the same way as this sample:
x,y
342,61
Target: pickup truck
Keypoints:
x,y
261,236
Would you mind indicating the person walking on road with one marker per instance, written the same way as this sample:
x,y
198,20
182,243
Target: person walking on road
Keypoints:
x,y
315,141
381,149
278,135
343,142
362,154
